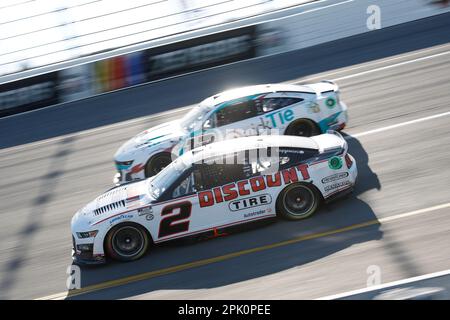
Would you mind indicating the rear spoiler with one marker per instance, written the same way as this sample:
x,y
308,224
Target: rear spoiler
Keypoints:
x,y
336,87
344,142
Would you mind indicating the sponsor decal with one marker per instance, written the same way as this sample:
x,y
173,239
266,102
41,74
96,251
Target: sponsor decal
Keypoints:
x,y
118,72
74,83
256,213
238,189
280,117
326,123
335,177
335,163
249,202
120,217
149,217
336,185
313,107
144,211
201,52
134,200
330,102
29,94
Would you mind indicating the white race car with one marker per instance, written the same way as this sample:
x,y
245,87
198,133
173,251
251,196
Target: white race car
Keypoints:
x,y
302,110
212,188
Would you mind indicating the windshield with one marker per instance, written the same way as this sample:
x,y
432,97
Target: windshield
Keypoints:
x,y
165,178
194,117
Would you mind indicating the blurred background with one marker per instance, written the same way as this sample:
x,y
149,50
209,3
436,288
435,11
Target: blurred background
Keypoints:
x,y
40,32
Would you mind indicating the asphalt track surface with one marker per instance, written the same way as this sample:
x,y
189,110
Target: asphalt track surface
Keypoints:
x,y
55,160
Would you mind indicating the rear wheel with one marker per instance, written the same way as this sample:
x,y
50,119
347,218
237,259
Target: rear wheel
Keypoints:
x,y
157,163
127,242
297,201
302,128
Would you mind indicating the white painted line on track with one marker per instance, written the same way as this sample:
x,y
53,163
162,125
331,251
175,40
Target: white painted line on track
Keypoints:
x,y
392,66
371,64
414,213
398,125
387,285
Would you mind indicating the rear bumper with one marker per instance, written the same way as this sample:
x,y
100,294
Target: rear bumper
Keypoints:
x,y
340,194
341,120
346,190
336,121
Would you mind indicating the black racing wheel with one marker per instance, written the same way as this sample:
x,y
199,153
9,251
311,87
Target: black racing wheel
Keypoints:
x,y
297,201
157,163
302,128
127,242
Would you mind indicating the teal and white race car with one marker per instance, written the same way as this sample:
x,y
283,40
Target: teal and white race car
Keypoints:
x,y
299,110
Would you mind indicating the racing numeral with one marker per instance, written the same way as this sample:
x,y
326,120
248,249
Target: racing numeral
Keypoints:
x,y
171,225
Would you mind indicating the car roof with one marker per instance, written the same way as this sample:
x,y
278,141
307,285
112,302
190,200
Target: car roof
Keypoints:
x,y
257,89
248,143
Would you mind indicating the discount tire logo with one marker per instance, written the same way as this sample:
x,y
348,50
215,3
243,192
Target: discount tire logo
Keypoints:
x,y
250,202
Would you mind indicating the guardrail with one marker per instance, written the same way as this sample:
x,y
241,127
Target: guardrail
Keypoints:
x,y
202,49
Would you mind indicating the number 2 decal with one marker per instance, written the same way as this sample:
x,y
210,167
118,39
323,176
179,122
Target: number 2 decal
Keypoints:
x,y
169,225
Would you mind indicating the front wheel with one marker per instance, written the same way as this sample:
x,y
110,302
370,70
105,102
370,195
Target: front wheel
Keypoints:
x,y
302,128
157,163
297,201
127,242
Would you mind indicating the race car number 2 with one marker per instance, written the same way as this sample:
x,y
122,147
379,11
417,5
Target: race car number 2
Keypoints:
x,y
172,223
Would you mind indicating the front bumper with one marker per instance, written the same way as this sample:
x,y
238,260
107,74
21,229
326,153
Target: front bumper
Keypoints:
x,y
87,260
85,257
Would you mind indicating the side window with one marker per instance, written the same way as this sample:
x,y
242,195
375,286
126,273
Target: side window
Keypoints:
x,y
186,187
213,175
262,160
271,104
236,112
210,122
292,156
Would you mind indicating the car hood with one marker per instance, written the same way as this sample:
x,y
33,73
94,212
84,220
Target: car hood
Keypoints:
x,y
163,135
113,202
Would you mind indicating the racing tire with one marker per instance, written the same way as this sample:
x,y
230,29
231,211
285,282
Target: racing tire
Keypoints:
x,y
127,242
297,201
157,163
302,128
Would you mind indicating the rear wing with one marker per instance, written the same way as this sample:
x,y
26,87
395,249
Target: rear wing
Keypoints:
x,y
338,134
325,88
334,84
